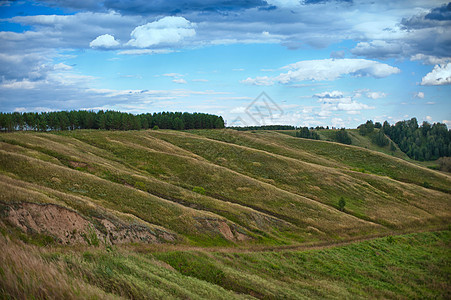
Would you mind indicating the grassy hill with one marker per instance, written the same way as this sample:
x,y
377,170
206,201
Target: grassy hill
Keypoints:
x,y
109,205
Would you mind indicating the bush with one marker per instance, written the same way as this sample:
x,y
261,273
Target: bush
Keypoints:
x,y
156,127
199,190
341,204
140,185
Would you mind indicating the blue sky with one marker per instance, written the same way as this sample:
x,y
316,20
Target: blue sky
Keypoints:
x,y
335,63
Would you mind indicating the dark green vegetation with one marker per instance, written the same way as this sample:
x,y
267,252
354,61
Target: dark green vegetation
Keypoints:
x,y
185,214
305,133
425,142
109,120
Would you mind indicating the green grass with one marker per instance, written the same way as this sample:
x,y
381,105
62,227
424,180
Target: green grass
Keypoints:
x,y
224,196
271,187
406,266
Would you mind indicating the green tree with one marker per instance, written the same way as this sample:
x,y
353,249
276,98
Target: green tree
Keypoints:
x,y
341,204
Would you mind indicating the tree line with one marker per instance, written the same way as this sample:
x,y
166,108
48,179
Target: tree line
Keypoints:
x,y
264,127
419,142
107,120
424,142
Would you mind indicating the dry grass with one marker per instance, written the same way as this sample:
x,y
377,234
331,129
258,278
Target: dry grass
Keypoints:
x,y
24,274
274,188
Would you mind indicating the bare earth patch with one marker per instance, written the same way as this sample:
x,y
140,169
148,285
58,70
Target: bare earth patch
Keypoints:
x,y
69,227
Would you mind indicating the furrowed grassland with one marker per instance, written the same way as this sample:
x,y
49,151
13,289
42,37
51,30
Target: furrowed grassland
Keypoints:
x,y
207,206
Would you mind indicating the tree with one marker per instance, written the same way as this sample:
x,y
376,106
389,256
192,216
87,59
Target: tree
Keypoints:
x,y
366,128
305,133
342,136
380,139
341,204
392,147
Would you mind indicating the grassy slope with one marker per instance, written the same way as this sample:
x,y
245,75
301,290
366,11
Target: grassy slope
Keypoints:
x,y
270,187
408,266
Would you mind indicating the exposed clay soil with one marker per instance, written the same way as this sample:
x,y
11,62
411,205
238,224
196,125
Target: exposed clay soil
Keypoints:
x,y
230,232
69,227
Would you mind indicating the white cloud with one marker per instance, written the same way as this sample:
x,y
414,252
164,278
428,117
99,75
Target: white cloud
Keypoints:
x,y
238,110
326,70
104,41
145,51
335,102
179,80
61,67
429,118
166,31
430,103
376,95
200,80
259,80
447,122
333,94
338,122
440,75
175,75
419,95
24,84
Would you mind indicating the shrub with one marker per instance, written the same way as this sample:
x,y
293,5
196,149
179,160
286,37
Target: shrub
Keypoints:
x,y
140,185
199,190
341,204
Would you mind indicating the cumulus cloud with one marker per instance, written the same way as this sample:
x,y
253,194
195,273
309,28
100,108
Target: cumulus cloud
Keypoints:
x,y
335,101
326,70
166,31
179,81
376,95
440,75
333,94
104,41
419,95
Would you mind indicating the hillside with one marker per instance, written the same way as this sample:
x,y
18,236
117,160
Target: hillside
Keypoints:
x,y
203,189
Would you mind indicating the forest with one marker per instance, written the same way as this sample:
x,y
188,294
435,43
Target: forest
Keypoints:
x,y
419,142
108,120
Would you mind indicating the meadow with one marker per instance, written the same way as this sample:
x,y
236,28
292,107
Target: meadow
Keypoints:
x,y
218,214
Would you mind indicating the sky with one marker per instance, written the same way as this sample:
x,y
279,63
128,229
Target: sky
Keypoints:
x,y
254,62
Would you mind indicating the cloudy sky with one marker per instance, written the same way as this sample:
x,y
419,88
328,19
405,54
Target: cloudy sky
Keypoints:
x,y
319,62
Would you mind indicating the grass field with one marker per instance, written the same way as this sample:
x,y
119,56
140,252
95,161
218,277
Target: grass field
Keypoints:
x,y
406,266
187,215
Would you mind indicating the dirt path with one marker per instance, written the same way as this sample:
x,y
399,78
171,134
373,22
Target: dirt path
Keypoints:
x,y
310,246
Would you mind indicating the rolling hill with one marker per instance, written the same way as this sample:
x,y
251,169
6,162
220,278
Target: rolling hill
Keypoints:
x,y
194,213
